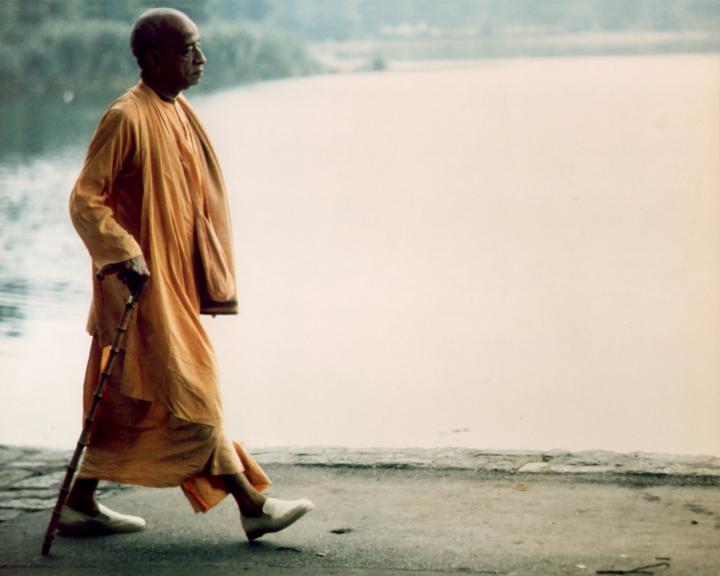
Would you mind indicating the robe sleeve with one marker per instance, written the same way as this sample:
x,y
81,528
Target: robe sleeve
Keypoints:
x,y
92,199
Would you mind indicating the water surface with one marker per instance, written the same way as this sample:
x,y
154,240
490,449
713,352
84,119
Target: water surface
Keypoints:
x,y
517,254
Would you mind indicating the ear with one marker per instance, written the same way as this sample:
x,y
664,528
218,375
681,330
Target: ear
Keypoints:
x,y
152,60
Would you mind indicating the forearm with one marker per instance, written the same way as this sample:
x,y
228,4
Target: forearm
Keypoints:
x,y
105,239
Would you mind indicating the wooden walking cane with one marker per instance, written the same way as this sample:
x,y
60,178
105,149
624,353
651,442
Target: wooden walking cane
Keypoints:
x,y
130,304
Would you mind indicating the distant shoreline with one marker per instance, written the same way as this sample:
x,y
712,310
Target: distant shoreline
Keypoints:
x,y
381,53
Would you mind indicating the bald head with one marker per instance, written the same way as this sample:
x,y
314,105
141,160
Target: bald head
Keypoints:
x,y
157,29
166,44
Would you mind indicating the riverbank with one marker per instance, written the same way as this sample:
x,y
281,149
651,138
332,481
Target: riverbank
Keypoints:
x,y
394,512
30,477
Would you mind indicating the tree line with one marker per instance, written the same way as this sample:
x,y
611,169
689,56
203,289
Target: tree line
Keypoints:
x,y
67,46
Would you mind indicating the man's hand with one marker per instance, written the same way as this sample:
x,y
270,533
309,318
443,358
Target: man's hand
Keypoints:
x,y
134,273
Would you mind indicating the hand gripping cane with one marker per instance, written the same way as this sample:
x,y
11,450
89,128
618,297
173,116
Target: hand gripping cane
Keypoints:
x,y
130,304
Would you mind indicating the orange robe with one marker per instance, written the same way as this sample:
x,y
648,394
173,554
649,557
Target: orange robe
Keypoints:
x,y
150,167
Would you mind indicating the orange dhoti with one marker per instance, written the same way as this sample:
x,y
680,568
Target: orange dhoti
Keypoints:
x,y
140,442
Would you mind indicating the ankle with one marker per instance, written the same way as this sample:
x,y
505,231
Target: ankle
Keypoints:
x,y
86,506
252,507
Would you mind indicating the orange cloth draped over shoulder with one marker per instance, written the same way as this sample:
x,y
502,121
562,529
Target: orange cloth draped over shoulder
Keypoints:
x,y
149,169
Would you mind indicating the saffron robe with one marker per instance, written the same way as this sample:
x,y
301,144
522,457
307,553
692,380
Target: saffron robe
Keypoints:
x,y
149,169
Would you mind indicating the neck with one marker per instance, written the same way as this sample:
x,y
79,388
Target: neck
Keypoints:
x,y
160,89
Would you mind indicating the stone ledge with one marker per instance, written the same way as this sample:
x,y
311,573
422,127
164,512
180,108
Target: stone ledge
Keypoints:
x,y
30,477
508,461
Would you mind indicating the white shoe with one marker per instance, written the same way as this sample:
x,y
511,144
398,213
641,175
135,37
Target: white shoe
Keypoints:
x,y
277,515
106,522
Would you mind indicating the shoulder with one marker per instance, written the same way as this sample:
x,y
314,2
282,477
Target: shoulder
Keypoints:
x,y
122,119
120,127
124,110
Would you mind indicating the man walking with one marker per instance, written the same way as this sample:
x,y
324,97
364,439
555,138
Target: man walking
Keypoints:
x,y
149,205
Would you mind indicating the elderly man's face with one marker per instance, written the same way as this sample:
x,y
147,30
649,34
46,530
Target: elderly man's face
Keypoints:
x,y
180,60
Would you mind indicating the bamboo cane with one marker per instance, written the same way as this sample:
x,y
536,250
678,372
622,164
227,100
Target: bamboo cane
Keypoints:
x,y
72,467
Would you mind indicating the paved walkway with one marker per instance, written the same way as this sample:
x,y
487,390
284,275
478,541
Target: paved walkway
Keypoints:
x,y
382,512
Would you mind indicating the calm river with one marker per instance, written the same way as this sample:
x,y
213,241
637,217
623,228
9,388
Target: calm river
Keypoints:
x,y
510,254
